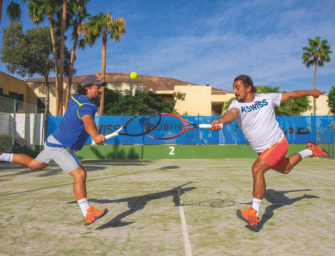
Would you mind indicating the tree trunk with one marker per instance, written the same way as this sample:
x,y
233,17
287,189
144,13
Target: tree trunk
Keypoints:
x,y
47,100
54,51
103,71
0,9
46,107
69,84
314,100
61,68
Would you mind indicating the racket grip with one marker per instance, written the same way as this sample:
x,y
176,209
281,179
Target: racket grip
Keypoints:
x,y
205,126
111,135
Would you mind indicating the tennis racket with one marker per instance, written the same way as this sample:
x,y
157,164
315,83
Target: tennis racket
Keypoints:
x,y
171,126
137,125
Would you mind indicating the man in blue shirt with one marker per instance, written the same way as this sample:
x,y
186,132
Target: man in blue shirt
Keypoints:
x,y
74,129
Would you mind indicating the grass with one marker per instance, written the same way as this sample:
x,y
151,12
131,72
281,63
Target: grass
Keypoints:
x,y
40,216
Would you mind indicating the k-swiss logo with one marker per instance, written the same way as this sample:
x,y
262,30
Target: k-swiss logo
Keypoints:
x,y
255,106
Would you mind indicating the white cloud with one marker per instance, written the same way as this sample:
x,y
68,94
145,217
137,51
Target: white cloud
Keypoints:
x,y
217,56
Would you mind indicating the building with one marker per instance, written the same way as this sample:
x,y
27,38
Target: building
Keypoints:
x,y
201,100
198,98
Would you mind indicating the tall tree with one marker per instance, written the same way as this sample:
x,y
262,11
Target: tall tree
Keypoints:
x,y
61,58
77,9
38,9
0,9
28,54
13,11
102,25
316,53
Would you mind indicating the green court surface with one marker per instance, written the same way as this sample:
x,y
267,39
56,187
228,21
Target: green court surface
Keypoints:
x,y
168,207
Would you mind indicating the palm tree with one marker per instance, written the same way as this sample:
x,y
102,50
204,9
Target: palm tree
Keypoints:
x,y
0,9
61,58
103,26
78,14
38,9
316,54
13,11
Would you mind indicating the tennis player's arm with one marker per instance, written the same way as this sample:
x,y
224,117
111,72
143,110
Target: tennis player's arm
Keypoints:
x,y
286,96
91,129
227,118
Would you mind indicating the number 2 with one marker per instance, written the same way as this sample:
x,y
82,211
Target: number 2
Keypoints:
x,y
171,151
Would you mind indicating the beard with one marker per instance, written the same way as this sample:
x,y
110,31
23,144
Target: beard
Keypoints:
x,y
96,99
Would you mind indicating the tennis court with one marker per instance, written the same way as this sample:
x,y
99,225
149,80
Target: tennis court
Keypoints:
x,y
168,207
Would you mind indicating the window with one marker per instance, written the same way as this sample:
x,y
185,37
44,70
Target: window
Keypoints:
x,y
19,98
41,104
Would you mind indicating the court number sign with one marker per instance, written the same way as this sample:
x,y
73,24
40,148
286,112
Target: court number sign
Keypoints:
x,y
171,151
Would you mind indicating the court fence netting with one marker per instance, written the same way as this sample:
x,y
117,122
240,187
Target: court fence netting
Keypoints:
x,y
23,126
325,138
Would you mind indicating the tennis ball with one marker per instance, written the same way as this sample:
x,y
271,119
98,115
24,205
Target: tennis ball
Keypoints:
x,y
133,75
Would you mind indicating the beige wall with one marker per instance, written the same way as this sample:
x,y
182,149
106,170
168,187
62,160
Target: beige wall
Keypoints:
x,y
39,90
322,108
197,100
11,84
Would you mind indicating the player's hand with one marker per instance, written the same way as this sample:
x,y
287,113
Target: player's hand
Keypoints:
x,y
317,93
99,138
216,125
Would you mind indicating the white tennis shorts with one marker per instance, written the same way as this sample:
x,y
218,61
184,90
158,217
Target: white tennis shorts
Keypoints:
x,y
65,159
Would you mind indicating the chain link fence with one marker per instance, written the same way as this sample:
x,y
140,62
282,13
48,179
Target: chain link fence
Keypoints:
x,y
325,138
23,126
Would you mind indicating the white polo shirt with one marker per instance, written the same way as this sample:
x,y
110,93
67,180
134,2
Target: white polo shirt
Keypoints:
x,y
257,120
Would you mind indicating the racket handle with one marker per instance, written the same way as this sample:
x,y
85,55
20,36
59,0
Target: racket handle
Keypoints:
x,y
205,126
111,135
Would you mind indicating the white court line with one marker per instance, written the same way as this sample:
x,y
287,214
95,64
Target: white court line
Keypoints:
x,y
187,244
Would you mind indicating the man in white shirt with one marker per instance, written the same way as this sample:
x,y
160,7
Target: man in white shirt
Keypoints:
x,y
256,117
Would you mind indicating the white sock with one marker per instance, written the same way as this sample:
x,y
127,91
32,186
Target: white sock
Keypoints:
x,y
83,204
8,157
306,153
256,204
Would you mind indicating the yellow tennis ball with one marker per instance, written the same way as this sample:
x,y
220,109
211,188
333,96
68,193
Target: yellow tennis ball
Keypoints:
x,y
133,75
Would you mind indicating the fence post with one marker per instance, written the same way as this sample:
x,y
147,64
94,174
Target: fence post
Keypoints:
x,y
34,127
332,151
14,125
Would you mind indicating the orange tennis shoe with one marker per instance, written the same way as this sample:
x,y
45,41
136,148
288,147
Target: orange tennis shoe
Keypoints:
x,y
93,214
317,151
249,216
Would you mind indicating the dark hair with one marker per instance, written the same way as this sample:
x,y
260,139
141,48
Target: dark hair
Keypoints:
x,y
246,80
82,89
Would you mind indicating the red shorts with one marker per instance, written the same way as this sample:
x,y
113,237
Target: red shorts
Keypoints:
x,y
275,155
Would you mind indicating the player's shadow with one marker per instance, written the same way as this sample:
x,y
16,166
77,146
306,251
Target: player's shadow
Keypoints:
x,y
139,202
277,199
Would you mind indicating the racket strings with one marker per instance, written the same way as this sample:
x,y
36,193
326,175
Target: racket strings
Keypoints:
x,y
138,125
169,127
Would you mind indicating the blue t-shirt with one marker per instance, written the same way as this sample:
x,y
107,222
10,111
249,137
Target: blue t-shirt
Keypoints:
x,y
71,132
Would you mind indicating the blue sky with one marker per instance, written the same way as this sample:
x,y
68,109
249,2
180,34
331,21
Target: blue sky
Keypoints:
x,y
213,41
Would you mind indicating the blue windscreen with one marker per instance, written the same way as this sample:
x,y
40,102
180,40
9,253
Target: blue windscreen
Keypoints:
x,y
298,130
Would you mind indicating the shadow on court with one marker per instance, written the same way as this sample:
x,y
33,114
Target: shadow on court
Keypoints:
x,y
67,184
139,202
278,200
